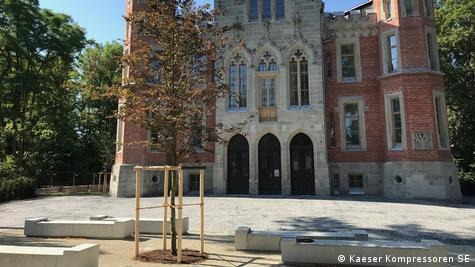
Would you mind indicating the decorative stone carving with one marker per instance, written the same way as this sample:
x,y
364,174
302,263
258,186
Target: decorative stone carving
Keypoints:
x,y
422,140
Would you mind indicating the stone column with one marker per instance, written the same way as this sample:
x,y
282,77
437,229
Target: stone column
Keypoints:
x,y
285,175
253,166
219,176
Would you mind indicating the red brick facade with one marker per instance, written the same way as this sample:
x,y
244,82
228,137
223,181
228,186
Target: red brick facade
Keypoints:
x,y
415,80
424,171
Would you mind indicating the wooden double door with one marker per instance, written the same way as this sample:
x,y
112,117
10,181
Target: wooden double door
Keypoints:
x,y
302,169
270,177
238,166
302,165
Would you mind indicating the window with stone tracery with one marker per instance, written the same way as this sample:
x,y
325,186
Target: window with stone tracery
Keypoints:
x,y
299,82
268,62
238,82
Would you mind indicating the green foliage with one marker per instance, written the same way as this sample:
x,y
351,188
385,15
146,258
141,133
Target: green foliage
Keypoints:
x,y
456,26
99,68
17,188
37,107
7,167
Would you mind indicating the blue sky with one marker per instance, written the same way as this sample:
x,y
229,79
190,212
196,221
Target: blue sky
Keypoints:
x,y
103,20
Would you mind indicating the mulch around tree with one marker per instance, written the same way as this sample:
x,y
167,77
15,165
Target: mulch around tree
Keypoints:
x,y
166,257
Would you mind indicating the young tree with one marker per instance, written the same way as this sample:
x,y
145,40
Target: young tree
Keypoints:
x,y
172,87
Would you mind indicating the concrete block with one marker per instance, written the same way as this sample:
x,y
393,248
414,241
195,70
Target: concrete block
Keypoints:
x,y
85,255
147,225
116,229
246,239
328,252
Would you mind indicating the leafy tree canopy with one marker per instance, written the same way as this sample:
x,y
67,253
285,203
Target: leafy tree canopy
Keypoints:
x,y
456,33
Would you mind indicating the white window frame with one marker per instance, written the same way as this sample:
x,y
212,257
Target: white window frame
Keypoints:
x,y
391,11
390,121
444,120
356,51
202,148
149,143
120,136
362,124
299,59
356,190
435,48
119,146
430,7
415,4
238,84
385,47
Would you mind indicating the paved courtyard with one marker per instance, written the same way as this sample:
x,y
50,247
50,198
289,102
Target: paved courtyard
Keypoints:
x,y
453,223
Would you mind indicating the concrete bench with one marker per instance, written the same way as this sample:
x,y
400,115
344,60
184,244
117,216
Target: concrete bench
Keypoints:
x,y
246,239
85,255
147,225
114,229
328,252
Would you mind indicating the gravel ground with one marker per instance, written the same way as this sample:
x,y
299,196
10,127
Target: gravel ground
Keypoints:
x,y
385,219
119,253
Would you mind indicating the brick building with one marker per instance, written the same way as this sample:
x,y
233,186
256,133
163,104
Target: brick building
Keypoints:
x,y
342,103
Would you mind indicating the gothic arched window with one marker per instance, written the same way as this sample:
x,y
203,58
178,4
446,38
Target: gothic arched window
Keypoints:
x,y
238,82
299,83
268,62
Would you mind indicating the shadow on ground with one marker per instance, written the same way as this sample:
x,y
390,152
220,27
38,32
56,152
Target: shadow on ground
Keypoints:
x,y
396,232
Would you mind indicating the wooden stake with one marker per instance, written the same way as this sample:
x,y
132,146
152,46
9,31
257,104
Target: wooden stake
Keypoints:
x,y
202,211
74,182
166,225
99,182
93,181
104,187
180,213
138,173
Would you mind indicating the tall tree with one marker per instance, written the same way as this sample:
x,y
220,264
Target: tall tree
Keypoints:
x,y
37,50
171,89
99,68
456,33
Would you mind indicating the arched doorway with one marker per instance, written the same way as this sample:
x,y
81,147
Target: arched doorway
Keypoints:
x,y
269,165
301,165
238,165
